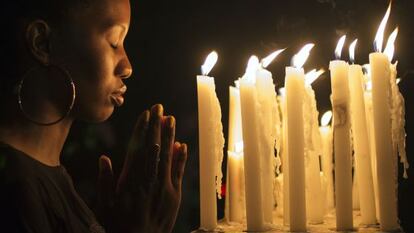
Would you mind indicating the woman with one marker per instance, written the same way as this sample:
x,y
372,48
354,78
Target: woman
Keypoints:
x,y
66,61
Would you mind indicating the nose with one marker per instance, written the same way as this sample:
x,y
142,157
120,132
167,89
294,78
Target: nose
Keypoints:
x,y
124,69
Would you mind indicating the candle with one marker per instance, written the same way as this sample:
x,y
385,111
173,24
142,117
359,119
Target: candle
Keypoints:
x,y
285,158
211,143
327,166
342,144
269,119
386,161
235,181
252,163
314,199
363,172
294,84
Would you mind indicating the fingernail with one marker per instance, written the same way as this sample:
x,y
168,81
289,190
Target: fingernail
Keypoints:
x,y
157,110
171,122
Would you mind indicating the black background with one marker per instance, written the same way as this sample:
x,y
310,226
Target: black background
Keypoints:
x,y
169,40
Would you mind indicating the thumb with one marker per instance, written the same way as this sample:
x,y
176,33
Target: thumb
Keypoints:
x,y
106,184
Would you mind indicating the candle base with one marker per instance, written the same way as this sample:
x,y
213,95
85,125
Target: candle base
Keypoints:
x,y
329,226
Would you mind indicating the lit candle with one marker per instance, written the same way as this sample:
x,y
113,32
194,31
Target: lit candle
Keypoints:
x,y
363,171
314,199
269,119
211,143
342,143
327,166
294,84
252,163
285,158
386,161
235,181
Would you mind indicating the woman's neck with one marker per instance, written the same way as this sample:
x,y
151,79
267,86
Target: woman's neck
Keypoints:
x,y
43,143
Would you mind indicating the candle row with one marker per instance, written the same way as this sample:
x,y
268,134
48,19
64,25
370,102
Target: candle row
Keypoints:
x,y
368,124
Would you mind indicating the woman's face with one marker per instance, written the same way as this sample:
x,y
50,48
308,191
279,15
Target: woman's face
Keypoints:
x,y
91,46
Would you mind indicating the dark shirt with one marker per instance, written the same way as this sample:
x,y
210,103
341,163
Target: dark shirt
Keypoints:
x,y
36,198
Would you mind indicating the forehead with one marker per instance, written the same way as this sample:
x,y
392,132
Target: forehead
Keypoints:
x,y
104,12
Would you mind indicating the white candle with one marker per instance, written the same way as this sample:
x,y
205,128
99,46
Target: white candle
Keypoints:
x,y
235,181
252,158
386,161
314,199
294,84
363,170
342,144
211,143
327,166
285,158
269,119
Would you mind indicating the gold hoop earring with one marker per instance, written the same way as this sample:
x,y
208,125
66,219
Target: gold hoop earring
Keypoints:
x,y
66,75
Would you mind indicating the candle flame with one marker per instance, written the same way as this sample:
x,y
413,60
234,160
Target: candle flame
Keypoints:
x,y
339,47
300,58
312,75
282,91
238,147
267,60
209,63
379,37
352,51
252,67
398,80
326,118
389,49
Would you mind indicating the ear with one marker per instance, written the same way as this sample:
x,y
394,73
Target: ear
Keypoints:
x,y
38,40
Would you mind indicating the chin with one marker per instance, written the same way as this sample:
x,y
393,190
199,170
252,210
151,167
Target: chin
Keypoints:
x,y
97,115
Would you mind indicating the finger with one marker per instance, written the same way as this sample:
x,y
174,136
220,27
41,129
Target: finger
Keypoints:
x,y
106,183
180,159
136,146
152,151
168,137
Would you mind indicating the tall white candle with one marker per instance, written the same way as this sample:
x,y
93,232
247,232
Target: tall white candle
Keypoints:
x,y
362,155
235,181
327,165
269,119
294,84
211,143
252,152
386,161
285,158
342,144
314,199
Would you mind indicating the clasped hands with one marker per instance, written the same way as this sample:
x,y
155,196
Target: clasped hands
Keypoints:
x,y
147,195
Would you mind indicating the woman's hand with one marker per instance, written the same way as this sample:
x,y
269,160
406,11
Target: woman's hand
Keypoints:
x,y
147,196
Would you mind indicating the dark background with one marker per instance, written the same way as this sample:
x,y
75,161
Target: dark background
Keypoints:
x,y
169,40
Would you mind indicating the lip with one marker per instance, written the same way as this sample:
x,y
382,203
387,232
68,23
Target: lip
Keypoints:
x,y
117,96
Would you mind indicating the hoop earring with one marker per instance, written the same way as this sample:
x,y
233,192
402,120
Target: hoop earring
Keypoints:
x,y
67,76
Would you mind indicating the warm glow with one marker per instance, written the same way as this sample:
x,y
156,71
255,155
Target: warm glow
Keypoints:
x,y
339,47
398,80
326,118
300,58
238,147
252,67
389,49
312,75
282,91
379,37
209,63
352,51
267,60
